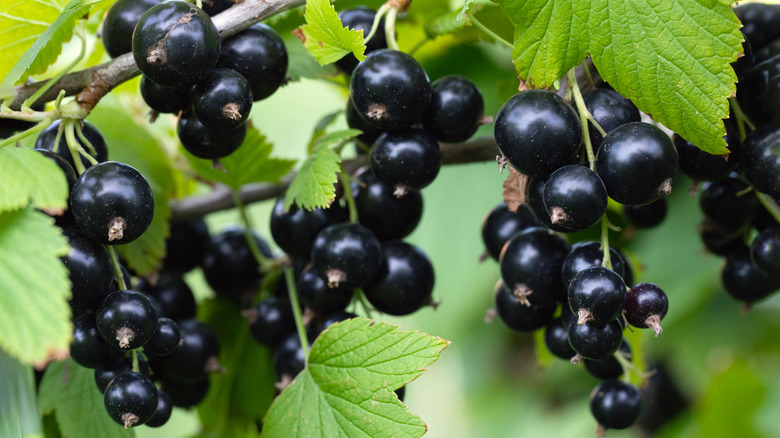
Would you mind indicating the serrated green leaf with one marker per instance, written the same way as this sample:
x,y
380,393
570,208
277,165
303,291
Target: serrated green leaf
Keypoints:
x,y
34,312
252,162
28,176
33,34
312,186
326,39
335,137
347,388
69,391
238,398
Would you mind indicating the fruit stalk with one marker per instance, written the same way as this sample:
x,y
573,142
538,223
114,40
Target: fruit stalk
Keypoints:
x,y
292,291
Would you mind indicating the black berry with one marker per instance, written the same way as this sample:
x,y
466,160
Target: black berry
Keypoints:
x,y
517,315
387,215
408,159
87,348
204,142
609,110
119,23
271,320
759,160
222,99
455,111
404,281
616,404
229,266
163,411
575,197
500,225
765,250
131,399
89,270
259,54
648,215
346,255
294,230
597,295
165,339
361,18
646,305
595,341
318,297
126,319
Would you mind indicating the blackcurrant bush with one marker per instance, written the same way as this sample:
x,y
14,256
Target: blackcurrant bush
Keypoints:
x,y
229,266
609,368
538,132
609,110
517,315
765,250
294,230
500,225
575,197
346,255
759,160
744,281
729,204
259,54
46,140
163,411
186,245
556,338
271,320
87,348
597,295
361,18
455,111
404,281
637,163
131,399
318,297
390,89
387,215
186,395
646,305
222,100
207,143
288,357
646,216
595,341
119,23
175,43
408,159
173,296
616,404
112,203
531,263
196,356
126,319
165,339
354,121
89,270
164,99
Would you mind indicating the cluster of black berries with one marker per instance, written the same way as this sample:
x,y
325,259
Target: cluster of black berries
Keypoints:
x,y
188,70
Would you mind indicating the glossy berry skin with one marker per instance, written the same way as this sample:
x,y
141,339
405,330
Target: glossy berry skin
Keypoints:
x,y
586,255
531,264
271,320
186,395
455,111
744,281
518,316
165,339
765,250
609,110
390,89
760,22
637,163
575,198
719,242
131,399
172,54
648,215
288,356
164,99
404,281
387,215
346,255
112,203
729,204
47,137
616,404
354,121
361,18
163,412
595,341
117,366
173,296
119,23
126,319
259,54
758,161
535,202
207,143
89,270
186,245
556,338
318,297
196,356
408,159
214,7
87,348
646,305
597,294
294,230
500,225
229,267
702,166
222,99
610,367
538,132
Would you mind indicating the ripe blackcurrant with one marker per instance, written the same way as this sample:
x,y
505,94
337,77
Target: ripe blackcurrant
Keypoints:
x,y
595,341
370,133
702,166
119,23
62,163
519,316
646,216
186,245
597,295
404,281
455,111
164,99
271,320
163,411
610,367
126,319
204,142
500,225
195,356
214,7
538,132
229,266
759,160
387,215
131,399
535,202
646,305
361,18
46,140
744,281
259,54
408,159
616,404
222,99
390,89
585,255
294,230
575,197
165,339
318,297
729,204
556,338
112,203
173,296
765,250
89,270
720,242
88,349
609,110
346,255
186,395
119,365
288,357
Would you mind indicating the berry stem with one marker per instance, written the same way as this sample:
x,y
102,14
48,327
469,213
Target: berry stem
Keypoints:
x,y
135,360
120,279
588,76
73,145
626,365
265,263
585,115
742,118
87,143
292,291
606,262
770,204
486,30
390,29
377,18
362,298
27,116
345,182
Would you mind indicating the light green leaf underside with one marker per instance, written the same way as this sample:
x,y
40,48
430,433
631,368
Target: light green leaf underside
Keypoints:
x,y
251,163
28,176
326,39
347,389
34,312
312,186
69,390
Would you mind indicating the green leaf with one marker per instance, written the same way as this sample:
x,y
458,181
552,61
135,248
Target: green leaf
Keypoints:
x,y
69,391
28,176
312,186
252,162
335,138
34,312
326,39
19,416
347,388
239,398
737,394
321,128
33,34
670,58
